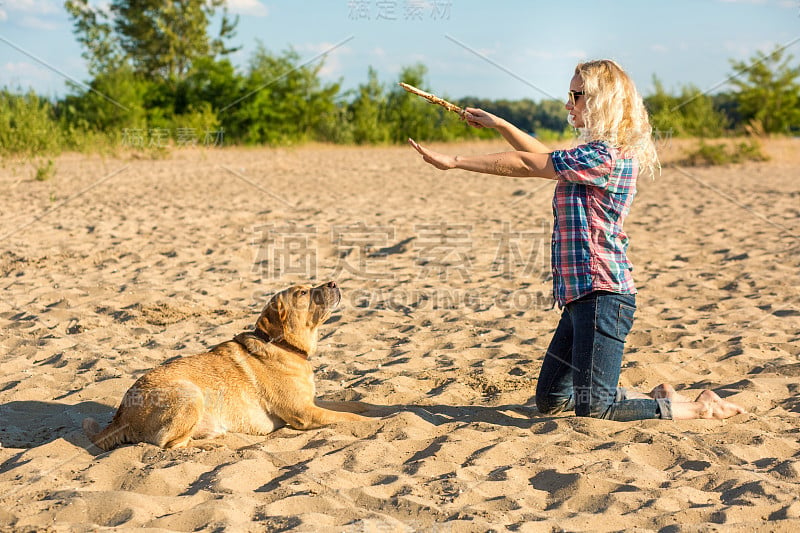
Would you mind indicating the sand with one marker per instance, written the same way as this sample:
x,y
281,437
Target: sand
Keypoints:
x,y
119,263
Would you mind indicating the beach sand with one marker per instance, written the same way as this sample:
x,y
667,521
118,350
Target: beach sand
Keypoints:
x,y
118,263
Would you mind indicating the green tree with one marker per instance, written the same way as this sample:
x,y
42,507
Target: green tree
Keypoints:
x,y
548,117
116,100
691,113
283,101
699,116
411,116
159,39
210,81
367,112
768,92
94,32
27,125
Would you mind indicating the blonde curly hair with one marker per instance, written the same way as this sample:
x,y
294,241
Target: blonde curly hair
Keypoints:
x,y
615,113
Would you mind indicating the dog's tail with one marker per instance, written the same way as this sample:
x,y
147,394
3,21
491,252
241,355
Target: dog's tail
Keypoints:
x,y
107,438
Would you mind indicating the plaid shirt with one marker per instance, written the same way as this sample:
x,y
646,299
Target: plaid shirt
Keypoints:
x,y
593,196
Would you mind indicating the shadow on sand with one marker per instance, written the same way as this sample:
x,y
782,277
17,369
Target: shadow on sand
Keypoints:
x,y
27,424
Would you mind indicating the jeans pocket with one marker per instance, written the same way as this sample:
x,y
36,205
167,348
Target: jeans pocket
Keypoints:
x,y
614,316
625,320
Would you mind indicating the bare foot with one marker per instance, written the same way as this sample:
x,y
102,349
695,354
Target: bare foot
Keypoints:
x,y
667,391
716,407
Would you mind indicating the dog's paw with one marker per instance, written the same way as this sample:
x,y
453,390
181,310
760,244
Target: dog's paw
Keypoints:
x,y
208,446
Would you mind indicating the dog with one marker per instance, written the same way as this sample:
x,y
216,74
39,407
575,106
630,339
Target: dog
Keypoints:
x,y
256,383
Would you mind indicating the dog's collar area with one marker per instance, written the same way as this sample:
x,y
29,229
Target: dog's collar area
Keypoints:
x,y
262,335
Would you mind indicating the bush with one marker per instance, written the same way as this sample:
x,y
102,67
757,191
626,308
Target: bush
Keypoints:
x,y
116,100
198,125
282,101
691,114
27,125
45,171
721,154
749,152
768,91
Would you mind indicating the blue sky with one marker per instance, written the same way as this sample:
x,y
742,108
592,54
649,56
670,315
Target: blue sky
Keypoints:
x,y
504,49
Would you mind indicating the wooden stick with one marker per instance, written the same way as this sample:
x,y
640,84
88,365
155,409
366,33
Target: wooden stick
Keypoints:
x,y
432,98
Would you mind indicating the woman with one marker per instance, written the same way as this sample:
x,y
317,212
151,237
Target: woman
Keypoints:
x,y
592,280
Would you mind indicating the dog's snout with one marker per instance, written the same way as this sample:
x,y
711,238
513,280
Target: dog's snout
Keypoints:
x,y
326,294
330,285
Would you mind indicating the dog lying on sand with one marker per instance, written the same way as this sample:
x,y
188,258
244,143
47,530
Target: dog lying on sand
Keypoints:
x,y
257,382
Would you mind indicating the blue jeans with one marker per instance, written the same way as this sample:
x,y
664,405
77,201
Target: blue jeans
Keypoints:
x,y
581,368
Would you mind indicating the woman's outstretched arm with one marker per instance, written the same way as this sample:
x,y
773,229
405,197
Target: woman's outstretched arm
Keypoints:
x,y
513,135
520,164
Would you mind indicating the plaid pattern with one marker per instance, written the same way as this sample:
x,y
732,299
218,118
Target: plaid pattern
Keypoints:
x,y
593,196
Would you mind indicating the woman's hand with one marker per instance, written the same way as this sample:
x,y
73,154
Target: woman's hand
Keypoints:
x,y
480,118
440,161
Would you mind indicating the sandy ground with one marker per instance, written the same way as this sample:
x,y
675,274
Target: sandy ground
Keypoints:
x,y
117,264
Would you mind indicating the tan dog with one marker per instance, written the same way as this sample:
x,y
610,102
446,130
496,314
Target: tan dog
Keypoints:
x,y
253,384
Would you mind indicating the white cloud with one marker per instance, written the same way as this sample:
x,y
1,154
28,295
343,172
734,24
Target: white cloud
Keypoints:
x,y
36,23
248,7
745,49
104,6
489,52
735,47
330,55
42,15
538,53
36,7
576,54
24,73
660,48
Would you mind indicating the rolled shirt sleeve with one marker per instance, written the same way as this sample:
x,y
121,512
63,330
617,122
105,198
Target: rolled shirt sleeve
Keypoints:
x,y
587,164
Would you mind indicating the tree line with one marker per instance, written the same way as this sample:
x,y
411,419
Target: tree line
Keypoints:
x,y
158,70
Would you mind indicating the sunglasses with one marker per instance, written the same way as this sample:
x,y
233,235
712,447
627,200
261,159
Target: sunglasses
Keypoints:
x,y
574,95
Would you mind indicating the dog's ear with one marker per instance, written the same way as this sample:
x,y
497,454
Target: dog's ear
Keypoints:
x,y
252,344
273,316
283,311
